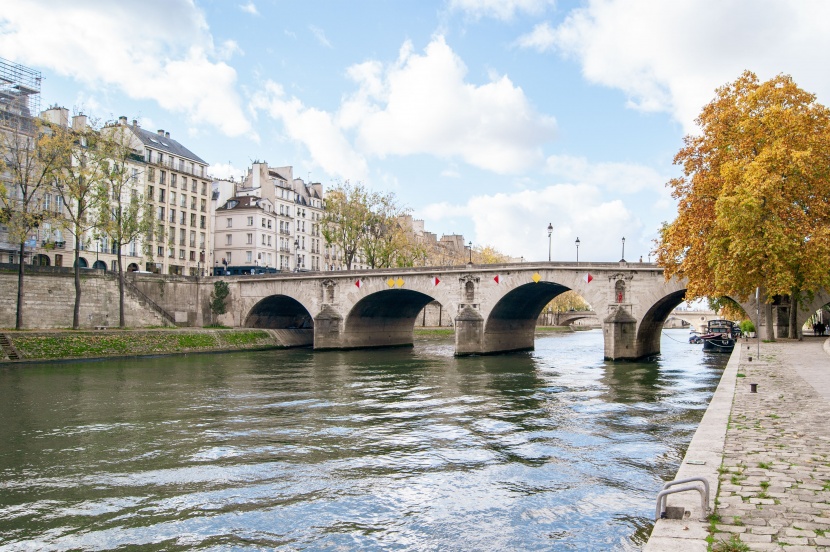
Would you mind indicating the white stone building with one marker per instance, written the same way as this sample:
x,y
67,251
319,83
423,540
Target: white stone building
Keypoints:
x,y
245,236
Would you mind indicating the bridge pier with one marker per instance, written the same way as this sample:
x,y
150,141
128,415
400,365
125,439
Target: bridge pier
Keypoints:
x,y
469,332
620,335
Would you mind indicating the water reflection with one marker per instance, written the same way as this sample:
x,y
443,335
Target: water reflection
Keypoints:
x,y
400,448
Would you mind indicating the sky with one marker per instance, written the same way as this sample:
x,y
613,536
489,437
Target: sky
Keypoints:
x,y
487,118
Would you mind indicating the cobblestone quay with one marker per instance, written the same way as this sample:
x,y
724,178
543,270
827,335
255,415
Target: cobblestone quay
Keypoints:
x,y
774,480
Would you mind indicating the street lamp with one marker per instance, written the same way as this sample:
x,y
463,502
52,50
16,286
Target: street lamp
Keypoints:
x,y
577,249
622,259
550,233
471,251
297,254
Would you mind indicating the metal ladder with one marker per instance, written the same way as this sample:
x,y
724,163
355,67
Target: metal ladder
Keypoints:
x,y
660,510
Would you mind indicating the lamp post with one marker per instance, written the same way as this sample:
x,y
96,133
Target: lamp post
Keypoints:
x,y
297,254
550,233
471,251
622,259
577,249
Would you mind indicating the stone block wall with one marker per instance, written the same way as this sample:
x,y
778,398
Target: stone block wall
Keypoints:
x,y
49,298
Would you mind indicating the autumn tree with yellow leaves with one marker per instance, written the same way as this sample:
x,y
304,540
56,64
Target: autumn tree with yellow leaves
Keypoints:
x,y
754,198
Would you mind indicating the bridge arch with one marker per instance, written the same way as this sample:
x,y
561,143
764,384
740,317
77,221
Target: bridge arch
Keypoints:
x,y
651,326
279,312
511,323
384,318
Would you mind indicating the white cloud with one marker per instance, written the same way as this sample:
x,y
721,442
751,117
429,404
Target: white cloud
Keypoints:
x,y
316,129
159,50
320,35
516,223
624,178
421,104
500,9
671,56
225,171
250,8
541,38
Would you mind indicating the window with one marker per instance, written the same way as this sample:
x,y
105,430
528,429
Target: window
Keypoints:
x,y
151,192
203,206
263,222
192,238
269,224
161,213
161,159
230,223
171,252
192,255
201,240
162,176
193,202
229,238
192,181
204,188
250,221
160,251
172,179
172,215
250,238
263,239
202,222
228,257
269,241
193,219
183,201
181,254
184,183
248,256
161,195
172,198
151,173
182,218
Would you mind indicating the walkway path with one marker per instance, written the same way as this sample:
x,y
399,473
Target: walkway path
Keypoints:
x,y
775,474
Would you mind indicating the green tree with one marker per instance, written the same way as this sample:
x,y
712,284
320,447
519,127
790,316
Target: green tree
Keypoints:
x,y
31,154
346,219
754,198
78,183
218,298
123,215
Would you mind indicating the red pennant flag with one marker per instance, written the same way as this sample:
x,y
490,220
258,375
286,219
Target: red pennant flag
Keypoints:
x,y
436,281
358,283
496,279
588,278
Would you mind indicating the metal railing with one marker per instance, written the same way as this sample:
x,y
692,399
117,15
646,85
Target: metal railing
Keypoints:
x,y
660,509
142,296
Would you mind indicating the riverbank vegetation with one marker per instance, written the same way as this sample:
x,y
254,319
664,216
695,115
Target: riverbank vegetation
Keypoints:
x,y
96,344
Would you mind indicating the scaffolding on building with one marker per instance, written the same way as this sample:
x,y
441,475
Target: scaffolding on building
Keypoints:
x,y
19,91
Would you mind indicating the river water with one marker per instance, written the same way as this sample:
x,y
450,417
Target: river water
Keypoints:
x,y
397,449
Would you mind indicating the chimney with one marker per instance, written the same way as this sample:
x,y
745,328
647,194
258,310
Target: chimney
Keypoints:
x,y
160,132
122,120
167,135
135,122
79,122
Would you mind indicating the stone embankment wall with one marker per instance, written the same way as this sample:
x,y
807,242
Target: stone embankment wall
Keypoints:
x,y
49,299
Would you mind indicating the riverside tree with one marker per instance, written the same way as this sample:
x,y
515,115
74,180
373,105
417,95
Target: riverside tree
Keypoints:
x,y
78,183
754,198
123,215
31,153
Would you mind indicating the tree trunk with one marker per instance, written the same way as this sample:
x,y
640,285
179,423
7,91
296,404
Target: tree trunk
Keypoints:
x,y
76,312
18,325
121,323
768,317
795,331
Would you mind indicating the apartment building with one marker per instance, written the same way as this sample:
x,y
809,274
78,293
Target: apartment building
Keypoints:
x,y
246,236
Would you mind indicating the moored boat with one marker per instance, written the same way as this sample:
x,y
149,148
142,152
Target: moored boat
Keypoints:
x,y
719,336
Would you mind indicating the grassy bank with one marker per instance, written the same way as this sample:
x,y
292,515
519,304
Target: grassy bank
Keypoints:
x,y
56,345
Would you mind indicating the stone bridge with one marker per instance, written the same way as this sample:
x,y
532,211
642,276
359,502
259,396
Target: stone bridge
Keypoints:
x,y
495,307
